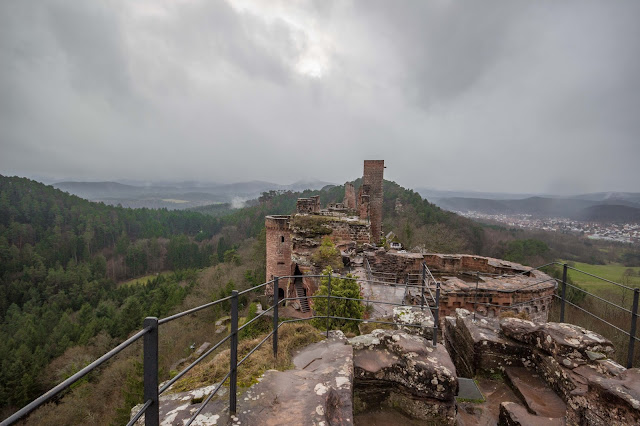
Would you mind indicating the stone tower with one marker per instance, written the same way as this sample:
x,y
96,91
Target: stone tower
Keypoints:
x,y
278,248
372,184
349,196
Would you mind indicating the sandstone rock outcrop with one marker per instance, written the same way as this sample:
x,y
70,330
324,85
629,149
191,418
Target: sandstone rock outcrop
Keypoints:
x,y
569,344
480,346
413,320
571,360
406,372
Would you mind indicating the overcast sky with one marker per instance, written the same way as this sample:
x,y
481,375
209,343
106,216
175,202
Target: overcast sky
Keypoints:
x,y
476,95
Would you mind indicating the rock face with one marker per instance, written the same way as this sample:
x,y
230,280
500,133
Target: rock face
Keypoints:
x,y
418,322
569,344
480,346
569,359
317,392
406,372
514,414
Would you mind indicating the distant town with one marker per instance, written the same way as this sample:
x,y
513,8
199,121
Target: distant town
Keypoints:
x,y
619,232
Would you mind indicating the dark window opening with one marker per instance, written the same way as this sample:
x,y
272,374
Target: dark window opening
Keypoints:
x,y
280,294
280,263
282,239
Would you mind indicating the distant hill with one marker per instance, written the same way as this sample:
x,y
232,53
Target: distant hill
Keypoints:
x,y
622,198
436,194
609,213
178,196
607,209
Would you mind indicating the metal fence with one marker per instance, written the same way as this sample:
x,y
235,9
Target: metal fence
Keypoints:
x,y
426,283
150,336
562,299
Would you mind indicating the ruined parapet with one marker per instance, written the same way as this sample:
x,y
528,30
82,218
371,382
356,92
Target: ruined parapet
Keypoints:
x,y
278,248
349,196
308,205
372,178
454,263
337,207
501,285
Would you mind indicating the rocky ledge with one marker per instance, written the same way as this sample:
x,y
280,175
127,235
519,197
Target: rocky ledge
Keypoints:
x,y
318,392
572,361
404,371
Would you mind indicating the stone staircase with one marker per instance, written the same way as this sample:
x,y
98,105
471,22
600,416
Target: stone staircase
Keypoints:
x,y
300,294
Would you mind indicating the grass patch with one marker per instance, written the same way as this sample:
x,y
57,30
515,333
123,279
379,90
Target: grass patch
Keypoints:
x,y
291,337
142,280
367,327
614,272
311,225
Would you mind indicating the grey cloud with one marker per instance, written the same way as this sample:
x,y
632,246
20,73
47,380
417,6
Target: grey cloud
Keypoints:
x,y
492,95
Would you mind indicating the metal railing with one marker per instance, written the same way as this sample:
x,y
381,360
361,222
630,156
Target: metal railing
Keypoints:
x,y
562,298
427,277
634,306
150,336
429,289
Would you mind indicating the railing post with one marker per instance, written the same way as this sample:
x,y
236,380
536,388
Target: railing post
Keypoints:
x,y
564,292
475,297
276,302
233,358
632,330
424,278
150,348
328,303
436,316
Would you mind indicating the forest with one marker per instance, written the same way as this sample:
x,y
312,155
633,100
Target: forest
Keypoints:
x,y
64,262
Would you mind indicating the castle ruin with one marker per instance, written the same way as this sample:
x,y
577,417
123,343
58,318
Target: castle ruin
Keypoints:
x,y
354,226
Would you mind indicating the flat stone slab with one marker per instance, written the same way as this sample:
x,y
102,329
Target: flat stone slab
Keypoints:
x,y
513,414
537,396
570,344
317,392
624,388
397,358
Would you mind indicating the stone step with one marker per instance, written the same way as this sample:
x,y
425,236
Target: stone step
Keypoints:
x,y
538,398
514,414
304,302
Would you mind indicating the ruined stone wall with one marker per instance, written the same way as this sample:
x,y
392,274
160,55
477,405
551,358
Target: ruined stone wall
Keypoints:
x,y
372,177
530,292
396,264
344,232
535,303
308,205
454,263
349,196
363,202
278,247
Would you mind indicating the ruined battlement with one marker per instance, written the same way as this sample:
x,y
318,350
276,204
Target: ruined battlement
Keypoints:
x,y
483,284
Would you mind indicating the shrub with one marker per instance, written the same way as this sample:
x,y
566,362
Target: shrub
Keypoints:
x,y
340,287
327,255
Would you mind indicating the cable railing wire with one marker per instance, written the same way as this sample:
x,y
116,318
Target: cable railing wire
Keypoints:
x,y
412,280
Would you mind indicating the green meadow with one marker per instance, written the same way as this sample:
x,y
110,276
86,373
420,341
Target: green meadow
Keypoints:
x,y
614,272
